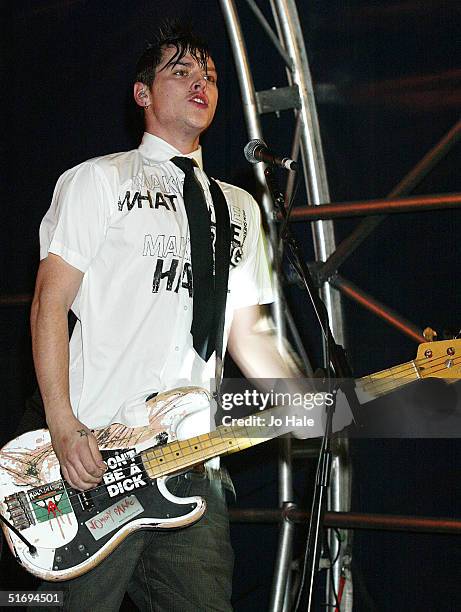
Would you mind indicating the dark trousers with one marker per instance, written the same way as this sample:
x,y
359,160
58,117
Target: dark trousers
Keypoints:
x,y
184,570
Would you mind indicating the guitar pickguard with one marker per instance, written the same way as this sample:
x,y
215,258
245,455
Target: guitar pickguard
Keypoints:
x,y
100,524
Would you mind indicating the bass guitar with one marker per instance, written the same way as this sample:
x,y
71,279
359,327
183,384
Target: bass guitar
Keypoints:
x,y
68,532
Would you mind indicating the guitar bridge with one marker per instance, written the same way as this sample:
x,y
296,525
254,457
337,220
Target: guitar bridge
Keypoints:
x,y
19,509
86,501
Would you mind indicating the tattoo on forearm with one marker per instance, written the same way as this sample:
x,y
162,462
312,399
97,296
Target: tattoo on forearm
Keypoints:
x,y
82,433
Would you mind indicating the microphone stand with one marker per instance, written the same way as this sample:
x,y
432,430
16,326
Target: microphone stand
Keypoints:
x,y
336,364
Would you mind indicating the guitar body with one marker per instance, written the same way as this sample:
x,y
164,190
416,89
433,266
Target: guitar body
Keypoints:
x,y
74,531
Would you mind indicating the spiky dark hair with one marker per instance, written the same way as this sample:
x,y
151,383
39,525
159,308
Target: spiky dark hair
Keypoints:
x,y
170,34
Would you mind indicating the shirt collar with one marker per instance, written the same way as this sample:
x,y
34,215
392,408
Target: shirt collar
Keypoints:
x,y
158,150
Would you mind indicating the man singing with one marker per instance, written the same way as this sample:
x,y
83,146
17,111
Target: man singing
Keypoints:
x,y
117,247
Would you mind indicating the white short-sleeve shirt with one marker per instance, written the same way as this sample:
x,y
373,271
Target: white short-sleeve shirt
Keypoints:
x,y
120,219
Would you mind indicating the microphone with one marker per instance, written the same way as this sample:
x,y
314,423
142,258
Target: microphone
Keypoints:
x,y
257,150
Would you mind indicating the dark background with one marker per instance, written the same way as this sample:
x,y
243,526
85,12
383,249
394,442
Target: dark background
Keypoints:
x,y
393,77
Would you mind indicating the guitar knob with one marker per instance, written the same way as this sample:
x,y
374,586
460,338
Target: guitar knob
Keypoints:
x,y
449,363
450,351
428,353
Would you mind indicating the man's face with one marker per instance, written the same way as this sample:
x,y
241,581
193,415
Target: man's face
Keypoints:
x,y
183,98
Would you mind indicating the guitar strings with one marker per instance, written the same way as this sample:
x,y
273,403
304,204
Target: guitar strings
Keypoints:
x,y
168,462
384,385
397,372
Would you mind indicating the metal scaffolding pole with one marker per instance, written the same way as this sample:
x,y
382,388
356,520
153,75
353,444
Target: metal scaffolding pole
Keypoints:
x,y
311,150
324,240
254,131
298,95
352,520
418,203
373,305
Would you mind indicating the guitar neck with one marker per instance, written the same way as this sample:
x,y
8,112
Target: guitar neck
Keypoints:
x,y
380,383
179,455
182,454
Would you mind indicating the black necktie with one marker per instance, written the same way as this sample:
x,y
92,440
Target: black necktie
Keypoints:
x,y
198,216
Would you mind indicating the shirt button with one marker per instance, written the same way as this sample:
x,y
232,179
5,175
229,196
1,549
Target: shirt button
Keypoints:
x,y
176,348
185,307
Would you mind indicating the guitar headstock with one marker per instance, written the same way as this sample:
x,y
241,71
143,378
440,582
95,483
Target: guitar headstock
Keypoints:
x,y
441,359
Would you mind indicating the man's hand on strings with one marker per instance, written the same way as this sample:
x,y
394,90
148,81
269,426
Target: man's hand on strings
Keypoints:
x,y
77,450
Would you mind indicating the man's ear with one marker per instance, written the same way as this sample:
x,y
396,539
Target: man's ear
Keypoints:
x,y
141,94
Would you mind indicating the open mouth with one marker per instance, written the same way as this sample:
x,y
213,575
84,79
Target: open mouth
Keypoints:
x,y
199,100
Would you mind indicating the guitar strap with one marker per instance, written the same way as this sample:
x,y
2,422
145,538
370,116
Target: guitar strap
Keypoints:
x,y
222,262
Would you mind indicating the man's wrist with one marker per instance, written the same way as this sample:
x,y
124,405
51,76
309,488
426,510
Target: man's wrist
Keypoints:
x,y
59,416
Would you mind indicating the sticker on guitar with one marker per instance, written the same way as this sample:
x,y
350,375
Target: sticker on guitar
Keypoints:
x,y
125,472
113,517
49,501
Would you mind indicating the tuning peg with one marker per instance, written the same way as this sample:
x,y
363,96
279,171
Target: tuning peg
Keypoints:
x,y
429,334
